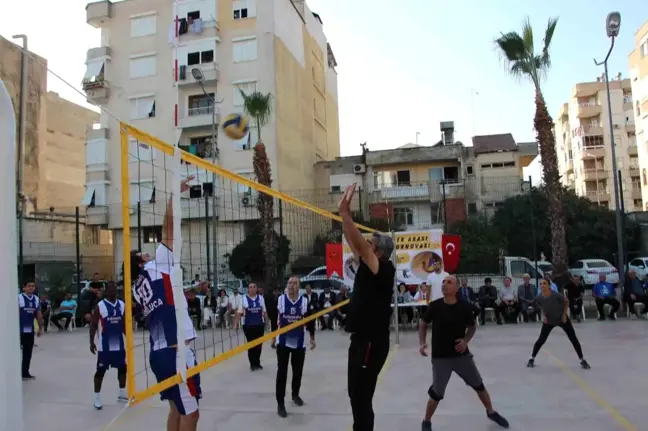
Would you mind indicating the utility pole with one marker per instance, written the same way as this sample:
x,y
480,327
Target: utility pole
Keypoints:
x,y
20,170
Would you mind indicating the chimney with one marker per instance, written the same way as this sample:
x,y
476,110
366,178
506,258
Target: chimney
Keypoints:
x,y
447,132
598,79
618,77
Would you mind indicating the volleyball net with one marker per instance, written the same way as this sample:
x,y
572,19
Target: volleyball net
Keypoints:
x,y
228,230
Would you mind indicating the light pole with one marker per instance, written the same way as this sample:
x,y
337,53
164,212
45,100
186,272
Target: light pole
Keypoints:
x,y
200,77
20,184
612,25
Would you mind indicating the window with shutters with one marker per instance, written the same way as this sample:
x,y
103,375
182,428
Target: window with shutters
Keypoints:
x,y
244,50
141,67
247,88
142,107
143,26
243,9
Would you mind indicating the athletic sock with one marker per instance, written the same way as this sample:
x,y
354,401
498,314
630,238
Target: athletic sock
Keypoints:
x,y
122,393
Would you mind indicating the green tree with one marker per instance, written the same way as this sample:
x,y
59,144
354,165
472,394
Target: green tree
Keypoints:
x,y
481,246
248,259
519,51
259,107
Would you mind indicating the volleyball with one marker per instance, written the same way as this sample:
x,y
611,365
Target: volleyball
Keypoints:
x,y
236,126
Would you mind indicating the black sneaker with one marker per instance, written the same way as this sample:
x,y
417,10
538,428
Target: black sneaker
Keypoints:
x,y
531,363
426,426
612,317
600,319
584,365
259,367
281,411
498,419
297,400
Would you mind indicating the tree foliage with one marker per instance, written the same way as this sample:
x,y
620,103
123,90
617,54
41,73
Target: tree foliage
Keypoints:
x,y
247,260
590,231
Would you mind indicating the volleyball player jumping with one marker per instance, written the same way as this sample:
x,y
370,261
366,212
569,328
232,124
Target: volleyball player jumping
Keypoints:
x,y
154,292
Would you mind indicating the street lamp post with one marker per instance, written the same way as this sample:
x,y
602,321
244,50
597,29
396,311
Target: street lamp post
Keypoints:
x,y
612,25
200,77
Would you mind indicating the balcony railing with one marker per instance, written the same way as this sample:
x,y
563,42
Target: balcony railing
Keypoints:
x,y
403,191
200,110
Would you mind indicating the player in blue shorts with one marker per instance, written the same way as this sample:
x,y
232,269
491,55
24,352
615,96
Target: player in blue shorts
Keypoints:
x,y
107,324
153,291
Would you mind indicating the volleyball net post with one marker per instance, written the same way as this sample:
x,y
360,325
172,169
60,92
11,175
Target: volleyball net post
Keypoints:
x,y
257,234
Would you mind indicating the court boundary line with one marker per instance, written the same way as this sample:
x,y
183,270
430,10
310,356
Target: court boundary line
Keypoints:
x,y
625,423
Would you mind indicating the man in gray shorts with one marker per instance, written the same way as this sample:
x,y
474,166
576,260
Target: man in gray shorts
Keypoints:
x,y
554,310
453,326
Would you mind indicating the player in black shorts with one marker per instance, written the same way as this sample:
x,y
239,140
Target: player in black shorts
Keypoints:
x,y
453,326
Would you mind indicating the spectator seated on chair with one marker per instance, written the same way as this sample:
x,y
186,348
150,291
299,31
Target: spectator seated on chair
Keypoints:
x,y
488,299
574,292
466,293
634,293
326,300
509,306
66,311
405,314
605,293
221,308
526,294
341,313
422,295
194,306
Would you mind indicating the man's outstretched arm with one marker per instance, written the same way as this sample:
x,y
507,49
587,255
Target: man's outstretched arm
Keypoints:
x,y
167,224
354,238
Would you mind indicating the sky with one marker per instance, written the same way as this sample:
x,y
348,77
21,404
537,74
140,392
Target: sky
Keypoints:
x,y
403,66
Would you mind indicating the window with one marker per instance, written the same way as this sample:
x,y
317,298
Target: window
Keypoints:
x,y
242,188
435,174
143,25
248,141
200,104
637,203
199,146
200,57
403,216
470,170
242,9
244,50
152,234
142,107
644,49
193,58
141,192
247,88
207,56
193,15
94,72
498,165
403,178
472,207
143,66
336,189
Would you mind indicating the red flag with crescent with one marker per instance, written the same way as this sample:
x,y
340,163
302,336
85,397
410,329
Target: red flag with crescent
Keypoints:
x,y
334,264
451,246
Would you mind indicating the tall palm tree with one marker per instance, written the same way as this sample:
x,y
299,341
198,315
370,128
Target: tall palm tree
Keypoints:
x,y
258,106
518,49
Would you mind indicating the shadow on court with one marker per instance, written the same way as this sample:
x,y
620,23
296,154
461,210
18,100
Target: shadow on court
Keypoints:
x,y
556,394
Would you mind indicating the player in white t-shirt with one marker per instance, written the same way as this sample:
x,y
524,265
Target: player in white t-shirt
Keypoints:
x,y
435,280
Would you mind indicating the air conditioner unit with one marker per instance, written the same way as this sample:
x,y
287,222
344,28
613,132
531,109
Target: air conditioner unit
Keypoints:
x,y
246,201
359,168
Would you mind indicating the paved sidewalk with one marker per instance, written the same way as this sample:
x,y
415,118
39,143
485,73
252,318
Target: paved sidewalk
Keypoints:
x,y
557,394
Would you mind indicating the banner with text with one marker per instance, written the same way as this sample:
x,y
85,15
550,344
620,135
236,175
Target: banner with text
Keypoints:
x,y
418,253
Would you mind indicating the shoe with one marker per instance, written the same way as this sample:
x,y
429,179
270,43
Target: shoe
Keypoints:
x,y
122,399
578,319
28,377
297,400
584,365
97,403
259,367
281,411
426,426
253,368
498,419
600,319
482,323
531,363
612,317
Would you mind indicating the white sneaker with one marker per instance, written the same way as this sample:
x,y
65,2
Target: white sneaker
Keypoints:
x,y
122,398
97,402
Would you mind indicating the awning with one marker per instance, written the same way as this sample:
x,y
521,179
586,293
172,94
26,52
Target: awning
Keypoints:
x,y
93,69
88,197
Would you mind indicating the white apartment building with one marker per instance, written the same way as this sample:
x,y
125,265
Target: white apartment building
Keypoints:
x,y
583,143
142,74
639,79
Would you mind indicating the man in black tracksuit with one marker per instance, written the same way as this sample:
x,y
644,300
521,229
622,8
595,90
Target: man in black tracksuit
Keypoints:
x,y
369,313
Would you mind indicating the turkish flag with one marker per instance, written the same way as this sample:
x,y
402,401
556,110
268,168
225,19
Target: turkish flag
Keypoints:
x,y
451,246
334,264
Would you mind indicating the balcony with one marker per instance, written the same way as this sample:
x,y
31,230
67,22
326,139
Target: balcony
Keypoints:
x,y
97,215
199,117
210,71
592,129
633,150
405,192
97,133
636,191
593,151
98,12
594,174
598,196
633,169
627,103
97,92
588,110
209,29
630,127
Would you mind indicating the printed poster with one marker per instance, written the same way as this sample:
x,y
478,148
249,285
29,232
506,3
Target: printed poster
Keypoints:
x,y
418,253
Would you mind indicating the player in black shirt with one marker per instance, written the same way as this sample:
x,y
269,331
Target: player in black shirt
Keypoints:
x,y
368,314
453,326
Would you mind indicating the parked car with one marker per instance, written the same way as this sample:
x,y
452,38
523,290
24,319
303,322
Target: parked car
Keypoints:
x,y
640,266
319,271
545,267
589,269
318,282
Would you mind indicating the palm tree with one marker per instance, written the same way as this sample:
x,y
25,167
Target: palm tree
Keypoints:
x,y
258,106
518,49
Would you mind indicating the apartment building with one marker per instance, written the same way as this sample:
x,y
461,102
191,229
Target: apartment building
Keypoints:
x,y
639,81
418,187
142,74
582,131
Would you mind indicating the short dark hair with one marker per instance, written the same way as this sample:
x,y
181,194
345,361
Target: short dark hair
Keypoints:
x,y
135,262
487,280
27,282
